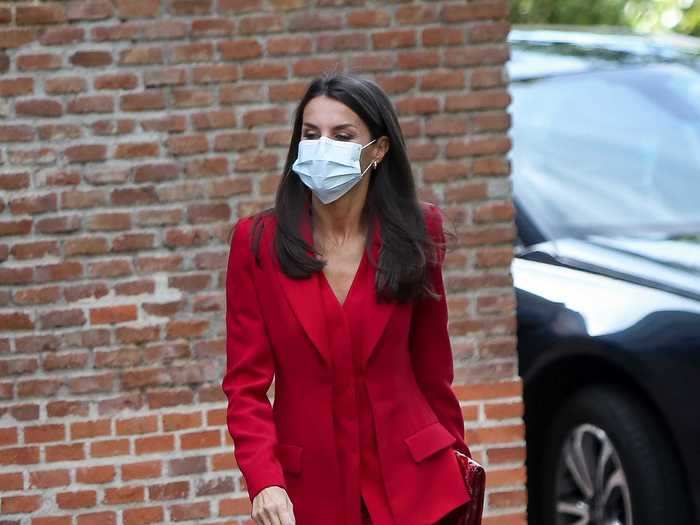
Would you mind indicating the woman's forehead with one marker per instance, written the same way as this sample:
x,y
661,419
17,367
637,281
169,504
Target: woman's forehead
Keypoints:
x,y
325,112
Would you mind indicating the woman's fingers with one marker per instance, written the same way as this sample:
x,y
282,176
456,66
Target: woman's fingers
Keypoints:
x,y
272,506
273,514
288,515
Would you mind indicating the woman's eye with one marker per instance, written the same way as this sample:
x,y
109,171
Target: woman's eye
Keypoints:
x,y
312,136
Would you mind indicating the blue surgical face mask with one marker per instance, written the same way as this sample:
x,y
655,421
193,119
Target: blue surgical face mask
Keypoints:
x,y
330,168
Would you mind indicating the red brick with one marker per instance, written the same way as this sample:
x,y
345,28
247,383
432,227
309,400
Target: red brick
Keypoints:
x,y
59,271
187,466
90,429
186,328
137,335
395,38
8,436
77,499
38,387
154,444
71,452
364,18
169,491
18,133
37,61
11,481
143,470
62,36
77,360
190,511
480,146
264,71
44,433
181,421
86,153
110,447
39,107
306,67
84,291
188,145
97,518
12,87
202,439
20,504
143,515
95,475
373,62
49,13
35,250
137,425
109,221
139,55
113,314
289,45
52,520
90,384
16,275
14,181
91,58
16,321
170,398
144,101
121,495
47,479
258,24
19,456
476,10
418,59
19,227
240,49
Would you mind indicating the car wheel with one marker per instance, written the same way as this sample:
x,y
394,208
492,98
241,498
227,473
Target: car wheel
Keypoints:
x,y
606,463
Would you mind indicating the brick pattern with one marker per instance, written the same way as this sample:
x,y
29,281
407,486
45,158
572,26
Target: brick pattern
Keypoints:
x,y
132,134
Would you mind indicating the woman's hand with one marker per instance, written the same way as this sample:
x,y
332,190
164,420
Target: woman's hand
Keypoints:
x,y
272,506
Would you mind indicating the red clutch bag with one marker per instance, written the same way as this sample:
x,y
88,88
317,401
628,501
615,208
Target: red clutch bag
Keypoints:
x,y
475,479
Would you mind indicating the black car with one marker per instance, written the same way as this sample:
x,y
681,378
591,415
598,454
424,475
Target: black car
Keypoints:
x,y
606,183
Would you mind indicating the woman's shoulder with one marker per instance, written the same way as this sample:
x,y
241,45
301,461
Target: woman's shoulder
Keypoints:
x,y
251,229
433,217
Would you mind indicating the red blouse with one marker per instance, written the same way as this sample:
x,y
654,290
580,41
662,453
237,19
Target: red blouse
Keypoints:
x,y
351,394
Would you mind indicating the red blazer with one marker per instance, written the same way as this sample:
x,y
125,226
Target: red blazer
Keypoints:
x,y
275,326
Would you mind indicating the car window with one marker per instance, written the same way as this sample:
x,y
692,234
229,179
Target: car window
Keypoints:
x,y
606,151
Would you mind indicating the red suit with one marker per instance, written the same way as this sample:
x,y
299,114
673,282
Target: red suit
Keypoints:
x,y
363,397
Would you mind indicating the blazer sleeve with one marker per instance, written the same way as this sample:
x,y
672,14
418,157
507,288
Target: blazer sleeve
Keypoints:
x,y
249,371
431,351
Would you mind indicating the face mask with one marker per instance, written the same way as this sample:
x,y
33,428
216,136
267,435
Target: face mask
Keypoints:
x,y
329,167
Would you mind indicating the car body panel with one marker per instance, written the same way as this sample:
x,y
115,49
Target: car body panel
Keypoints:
x,y
627,303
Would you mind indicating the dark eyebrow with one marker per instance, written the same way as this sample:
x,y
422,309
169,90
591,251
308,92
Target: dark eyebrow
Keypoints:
x,y
339,126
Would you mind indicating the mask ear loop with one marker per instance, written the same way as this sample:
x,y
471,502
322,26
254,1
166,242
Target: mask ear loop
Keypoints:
x,y
373,165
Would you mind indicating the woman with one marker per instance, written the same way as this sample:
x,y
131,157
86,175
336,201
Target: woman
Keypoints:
x,y
337,291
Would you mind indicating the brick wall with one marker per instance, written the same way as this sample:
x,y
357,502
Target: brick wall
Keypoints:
x,y
132,134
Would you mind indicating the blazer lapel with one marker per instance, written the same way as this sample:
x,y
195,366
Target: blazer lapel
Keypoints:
x,y
367,317
304,296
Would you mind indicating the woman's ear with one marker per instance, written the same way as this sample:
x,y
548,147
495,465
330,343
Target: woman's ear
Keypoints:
x,y
382,148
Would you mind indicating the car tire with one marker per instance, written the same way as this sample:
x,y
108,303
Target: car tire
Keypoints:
x,y
604,425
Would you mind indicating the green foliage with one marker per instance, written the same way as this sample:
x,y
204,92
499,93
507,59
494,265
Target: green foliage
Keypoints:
x,y
690,23
682,16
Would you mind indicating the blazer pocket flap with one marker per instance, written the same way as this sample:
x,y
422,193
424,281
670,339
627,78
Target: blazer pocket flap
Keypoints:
x,y
428,440
289,456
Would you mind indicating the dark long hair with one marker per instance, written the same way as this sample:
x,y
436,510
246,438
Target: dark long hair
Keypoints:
x,y
407,247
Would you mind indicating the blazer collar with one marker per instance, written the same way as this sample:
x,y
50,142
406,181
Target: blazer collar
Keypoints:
x,y
369,317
